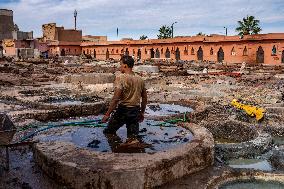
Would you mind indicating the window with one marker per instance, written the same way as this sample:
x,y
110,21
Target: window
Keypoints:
x,y
133,52
162,51
211,51
117,51
233,52
145,51
87,51
245,52
274,50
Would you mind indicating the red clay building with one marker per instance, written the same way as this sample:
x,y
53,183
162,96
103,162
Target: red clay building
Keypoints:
x,y
262,48
62,41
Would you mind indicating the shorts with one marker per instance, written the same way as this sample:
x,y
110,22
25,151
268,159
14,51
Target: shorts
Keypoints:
x,y
125,115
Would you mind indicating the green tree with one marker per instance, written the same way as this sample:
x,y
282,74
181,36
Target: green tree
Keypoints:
x,y
200,34
248,26
165,32
143,37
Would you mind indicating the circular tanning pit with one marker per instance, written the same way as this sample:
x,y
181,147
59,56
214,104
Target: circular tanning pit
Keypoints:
x,y
253,184
277,158
154,136
234,139
84,167
247,180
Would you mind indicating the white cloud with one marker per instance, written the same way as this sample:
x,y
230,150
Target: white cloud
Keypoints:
x,y
134,18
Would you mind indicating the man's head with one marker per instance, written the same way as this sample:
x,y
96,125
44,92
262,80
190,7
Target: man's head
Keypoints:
x,y
126,63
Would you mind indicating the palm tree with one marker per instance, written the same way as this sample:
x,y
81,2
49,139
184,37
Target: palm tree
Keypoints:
x,y
248,26
165,32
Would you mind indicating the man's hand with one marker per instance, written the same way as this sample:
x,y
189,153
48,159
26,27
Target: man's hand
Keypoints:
x,y
141,117
105,118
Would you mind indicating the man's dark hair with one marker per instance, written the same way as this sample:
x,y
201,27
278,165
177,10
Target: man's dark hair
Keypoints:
x,y
128,60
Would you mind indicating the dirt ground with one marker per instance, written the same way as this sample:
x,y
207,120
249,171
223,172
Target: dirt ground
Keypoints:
x,y
34,91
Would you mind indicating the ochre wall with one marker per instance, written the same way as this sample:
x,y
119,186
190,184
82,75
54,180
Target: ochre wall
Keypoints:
x,y
186,44
69,35
69,50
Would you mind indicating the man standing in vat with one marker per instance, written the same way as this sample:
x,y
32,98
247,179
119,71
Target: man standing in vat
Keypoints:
x,y
128,103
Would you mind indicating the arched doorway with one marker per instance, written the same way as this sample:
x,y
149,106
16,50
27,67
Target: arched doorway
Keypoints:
x,y
260,55
1,51
168,53
139,54
220,55
62,53
95,53
127,52
157,54
177,54
152,53
200,54
282,58
107,54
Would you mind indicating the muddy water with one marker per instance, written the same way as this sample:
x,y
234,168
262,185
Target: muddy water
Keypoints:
x,y
224,141
152,137
256,164
254,184
278,140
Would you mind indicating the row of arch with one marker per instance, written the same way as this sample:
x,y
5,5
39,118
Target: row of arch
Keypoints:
x,y
156,54
220,54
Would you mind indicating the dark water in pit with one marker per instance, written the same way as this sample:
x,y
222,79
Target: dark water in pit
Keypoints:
x,y
153,138
66,100
253,184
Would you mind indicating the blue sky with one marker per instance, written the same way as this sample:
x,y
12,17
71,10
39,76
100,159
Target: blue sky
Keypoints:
x,y
137,17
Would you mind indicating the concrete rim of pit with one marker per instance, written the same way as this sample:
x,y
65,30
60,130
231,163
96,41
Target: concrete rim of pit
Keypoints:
x,y
231,176
80,168
250,148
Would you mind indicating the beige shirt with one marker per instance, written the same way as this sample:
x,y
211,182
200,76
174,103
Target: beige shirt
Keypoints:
x,y
132,87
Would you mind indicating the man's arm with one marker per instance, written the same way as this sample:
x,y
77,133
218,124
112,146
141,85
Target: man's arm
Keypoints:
x,y
143,104
113,103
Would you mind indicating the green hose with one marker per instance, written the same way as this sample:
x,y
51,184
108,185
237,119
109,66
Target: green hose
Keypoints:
x,y
24,138
91,124
63,124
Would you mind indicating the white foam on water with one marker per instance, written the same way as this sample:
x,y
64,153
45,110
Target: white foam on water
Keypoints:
x,y
166,109
256,164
